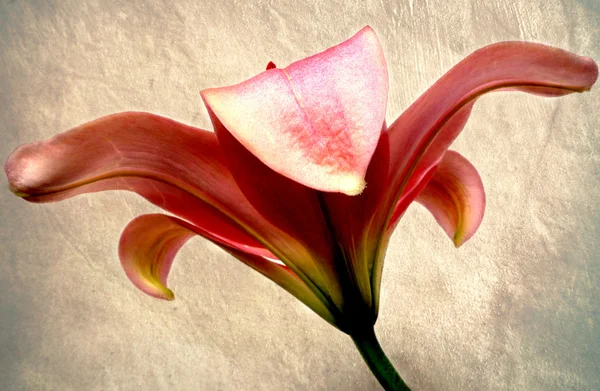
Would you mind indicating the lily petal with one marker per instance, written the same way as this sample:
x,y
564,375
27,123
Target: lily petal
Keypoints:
x,y
318,120
407,198
283,276
176,167
352,220
147,248
123,145
293,208
420,135
428,164
150,242
456,198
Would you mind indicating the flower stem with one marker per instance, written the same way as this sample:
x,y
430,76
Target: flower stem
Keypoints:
x,y
378,363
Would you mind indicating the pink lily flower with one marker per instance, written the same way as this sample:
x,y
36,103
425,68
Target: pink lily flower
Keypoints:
x,y
301,180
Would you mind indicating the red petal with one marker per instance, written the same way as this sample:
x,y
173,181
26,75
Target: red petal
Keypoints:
x,y
429,162
149,244
293,208
177,167
318,120
352,219
288,280
421,135
455,197
147,248
408,196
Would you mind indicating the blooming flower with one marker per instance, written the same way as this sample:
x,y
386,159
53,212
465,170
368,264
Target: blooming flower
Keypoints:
x,y
302,180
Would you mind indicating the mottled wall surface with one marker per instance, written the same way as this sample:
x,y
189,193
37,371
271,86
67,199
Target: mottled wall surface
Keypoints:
x,y
516,308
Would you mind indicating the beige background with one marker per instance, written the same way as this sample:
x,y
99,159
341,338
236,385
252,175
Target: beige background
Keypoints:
x,y
516,308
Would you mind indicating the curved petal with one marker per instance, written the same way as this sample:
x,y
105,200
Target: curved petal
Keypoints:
x,y
414,185
318,120
428,163
352,220
150,242
147,248
288,280
123,145
419,136
293,208
422,134
455,197
177,167
408,196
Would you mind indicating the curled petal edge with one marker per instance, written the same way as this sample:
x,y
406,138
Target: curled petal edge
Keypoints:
x,y
147,248
150,243
455,197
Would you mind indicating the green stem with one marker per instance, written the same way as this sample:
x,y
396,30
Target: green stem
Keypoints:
x,y
378,363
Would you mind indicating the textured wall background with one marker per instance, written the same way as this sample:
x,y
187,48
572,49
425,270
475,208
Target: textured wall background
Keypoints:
x,y
516,308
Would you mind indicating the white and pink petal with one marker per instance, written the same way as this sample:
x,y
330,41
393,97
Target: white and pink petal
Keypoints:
x,y
316,121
